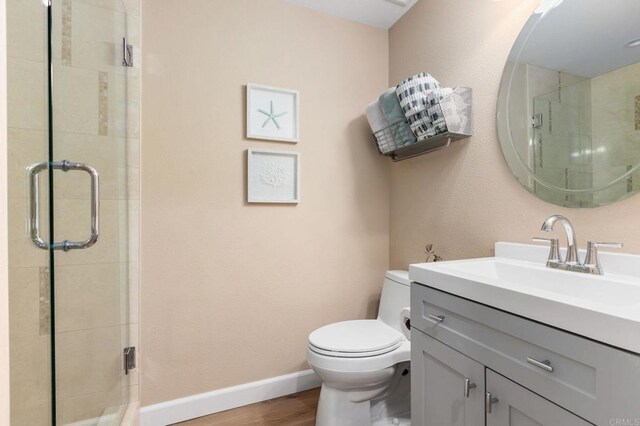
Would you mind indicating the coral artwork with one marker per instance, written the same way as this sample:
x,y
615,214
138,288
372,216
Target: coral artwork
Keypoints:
x,y
273,175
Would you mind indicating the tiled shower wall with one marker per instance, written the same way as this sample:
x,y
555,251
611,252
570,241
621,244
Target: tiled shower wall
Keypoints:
x,y
596,121
96,120
564,100
616,131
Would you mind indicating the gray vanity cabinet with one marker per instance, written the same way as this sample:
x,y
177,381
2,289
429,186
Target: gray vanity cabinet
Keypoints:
x,y
517,406
449,389
541,375
458,398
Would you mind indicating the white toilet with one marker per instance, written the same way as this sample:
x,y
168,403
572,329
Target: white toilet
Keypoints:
x,y
364,364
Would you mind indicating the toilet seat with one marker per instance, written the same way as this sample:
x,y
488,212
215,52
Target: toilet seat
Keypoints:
x,y
355,339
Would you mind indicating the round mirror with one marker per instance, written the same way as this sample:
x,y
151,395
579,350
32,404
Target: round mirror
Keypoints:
x,y
569,102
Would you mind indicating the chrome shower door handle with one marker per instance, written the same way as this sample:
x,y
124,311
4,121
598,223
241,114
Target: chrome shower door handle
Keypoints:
x,y
34,205
66,245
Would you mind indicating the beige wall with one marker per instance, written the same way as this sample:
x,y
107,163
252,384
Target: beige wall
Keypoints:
x,y
230,291
464,199
4,258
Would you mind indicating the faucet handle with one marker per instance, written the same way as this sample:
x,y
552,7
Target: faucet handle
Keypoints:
x,y
596,244
554,248
592,260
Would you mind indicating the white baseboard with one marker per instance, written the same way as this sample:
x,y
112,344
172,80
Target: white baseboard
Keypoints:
x,y
199,405
123,415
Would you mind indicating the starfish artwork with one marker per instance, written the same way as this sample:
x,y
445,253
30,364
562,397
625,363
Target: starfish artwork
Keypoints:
x,y
271,115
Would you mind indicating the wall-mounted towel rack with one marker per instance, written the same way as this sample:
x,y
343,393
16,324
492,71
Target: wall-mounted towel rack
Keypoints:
x,y
425,146
399,144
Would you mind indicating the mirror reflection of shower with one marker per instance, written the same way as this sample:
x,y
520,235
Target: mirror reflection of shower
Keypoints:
x,y
569,103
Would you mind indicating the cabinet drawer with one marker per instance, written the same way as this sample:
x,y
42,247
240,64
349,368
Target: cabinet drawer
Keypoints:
x,y
595,381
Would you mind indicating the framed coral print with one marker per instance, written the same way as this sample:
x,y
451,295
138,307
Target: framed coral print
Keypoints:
x,y
273,176
272,113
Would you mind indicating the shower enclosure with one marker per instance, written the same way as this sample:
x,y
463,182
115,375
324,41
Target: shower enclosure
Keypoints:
x,y
73,137
563,130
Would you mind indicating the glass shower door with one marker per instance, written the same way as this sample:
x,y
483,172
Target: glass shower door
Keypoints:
x,y
562,129
73,198
91,207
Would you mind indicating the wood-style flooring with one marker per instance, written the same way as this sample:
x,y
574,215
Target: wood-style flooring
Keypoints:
x,y
293,410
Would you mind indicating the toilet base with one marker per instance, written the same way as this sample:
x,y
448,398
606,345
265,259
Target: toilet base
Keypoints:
x,y
386,402
394,421
336,409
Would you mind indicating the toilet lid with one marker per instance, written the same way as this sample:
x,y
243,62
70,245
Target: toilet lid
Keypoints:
x,y
356,337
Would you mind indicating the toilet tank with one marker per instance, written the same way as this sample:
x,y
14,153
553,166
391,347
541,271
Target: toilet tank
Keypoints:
x,y
395,297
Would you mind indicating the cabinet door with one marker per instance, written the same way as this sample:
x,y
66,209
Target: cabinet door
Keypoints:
x,y
517,406
447,388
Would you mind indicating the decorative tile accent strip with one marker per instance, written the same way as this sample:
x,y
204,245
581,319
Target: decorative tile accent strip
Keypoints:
x,y
103,106
638,112
45,301
66,32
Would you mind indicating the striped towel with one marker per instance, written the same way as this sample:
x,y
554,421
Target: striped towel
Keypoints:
x,y
419,98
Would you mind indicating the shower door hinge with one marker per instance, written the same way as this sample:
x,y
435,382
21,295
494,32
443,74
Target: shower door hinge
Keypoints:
x,y
129,359
536,121
127,53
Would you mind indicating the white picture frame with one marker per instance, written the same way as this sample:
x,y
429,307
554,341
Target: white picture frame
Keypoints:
x,y
273,113
273,176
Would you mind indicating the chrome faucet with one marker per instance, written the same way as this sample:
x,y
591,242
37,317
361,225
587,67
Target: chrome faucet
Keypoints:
x,y
572,242
571,261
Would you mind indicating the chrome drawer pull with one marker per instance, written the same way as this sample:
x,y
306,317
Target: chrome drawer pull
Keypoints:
x,y
438,318
468,386
545,365
489,400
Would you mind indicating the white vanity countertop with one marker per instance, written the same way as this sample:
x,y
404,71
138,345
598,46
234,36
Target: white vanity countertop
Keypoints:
x,y
604,308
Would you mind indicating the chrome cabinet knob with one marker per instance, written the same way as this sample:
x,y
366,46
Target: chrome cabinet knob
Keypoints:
x,y
436,318
544,365
489,400
468,386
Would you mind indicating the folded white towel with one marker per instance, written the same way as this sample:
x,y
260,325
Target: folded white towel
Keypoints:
x,y
376,117
446,91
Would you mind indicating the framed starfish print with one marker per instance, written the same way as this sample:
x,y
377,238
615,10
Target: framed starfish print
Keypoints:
x,y
273,176
272,113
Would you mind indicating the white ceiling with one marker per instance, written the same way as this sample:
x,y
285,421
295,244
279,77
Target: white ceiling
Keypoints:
x,y
583,37
377,13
